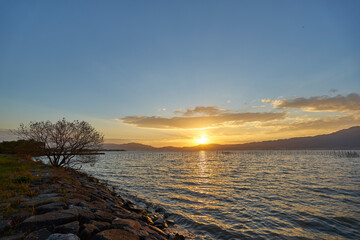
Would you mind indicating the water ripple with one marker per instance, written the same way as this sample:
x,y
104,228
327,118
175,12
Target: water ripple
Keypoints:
x,y
244,194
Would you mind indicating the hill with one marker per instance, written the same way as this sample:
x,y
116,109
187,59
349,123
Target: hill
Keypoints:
x,y
343,139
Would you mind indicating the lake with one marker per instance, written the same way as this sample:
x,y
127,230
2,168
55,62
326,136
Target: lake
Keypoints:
x,y
243,194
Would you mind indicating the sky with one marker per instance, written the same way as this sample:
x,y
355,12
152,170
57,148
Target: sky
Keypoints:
x,y
173,72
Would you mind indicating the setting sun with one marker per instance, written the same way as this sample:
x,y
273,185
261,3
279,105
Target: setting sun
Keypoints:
x,y
202,140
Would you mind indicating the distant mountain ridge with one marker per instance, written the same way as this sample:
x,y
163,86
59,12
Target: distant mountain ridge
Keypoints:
x,y
343,139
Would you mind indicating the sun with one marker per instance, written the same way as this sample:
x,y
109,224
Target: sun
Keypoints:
x,y
202,140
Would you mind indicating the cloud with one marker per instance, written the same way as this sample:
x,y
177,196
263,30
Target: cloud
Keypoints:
x,y
202,111
220,119
338,103
321,123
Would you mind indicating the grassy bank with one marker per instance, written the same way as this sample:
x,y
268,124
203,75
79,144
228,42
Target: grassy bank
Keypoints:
x,y
39,199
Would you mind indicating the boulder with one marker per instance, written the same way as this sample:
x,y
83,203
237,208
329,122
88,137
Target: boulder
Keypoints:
x,y
85,215
120,223
150,233
39,201
88,231
104,216
5,205
41,234
48,219
49,195
101,225
50,207
4,225
17,236
20,216
147,219
115,234
72,227
58,236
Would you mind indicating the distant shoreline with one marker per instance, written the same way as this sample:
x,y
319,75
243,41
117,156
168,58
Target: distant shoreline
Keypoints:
x,y
346,139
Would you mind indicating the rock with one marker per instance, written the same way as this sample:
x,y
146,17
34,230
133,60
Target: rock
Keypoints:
x,y
48,219
97,198
160,223
78,196
160,210
50,207
124,213
170,222
88,231
39,201
85,215
58,236
101,225
147,219
41,234
179,237
126,222
17,236
157,230
104,216
115,234
20,216
72,227
49,195
4,225
5,205
150,234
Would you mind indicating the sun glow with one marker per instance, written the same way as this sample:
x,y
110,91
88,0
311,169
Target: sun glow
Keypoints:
x,y
202,140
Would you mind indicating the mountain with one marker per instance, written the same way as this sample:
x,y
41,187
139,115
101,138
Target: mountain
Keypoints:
x,y
343,139
128,147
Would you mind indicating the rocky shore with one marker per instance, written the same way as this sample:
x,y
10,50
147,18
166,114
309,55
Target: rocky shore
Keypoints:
x,y
66,204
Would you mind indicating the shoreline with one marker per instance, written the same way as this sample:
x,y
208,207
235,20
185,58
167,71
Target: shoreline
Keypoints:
x,y
69,204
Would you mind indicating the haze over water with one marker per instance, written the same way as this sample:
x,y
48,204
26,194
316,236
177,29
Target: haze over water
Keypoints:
x,y
244,194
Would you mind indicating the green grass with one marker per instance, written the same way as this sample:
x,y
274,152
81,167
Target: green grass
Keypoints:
x,y
15,177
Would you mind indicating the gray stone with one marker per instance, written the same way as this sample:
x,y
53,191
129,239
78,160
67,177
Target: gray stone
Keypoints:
x,y
41,234
49,195
5,205
58,236
48,219
50,207
17,236
4,225
115,234
39,201
72,227
20,216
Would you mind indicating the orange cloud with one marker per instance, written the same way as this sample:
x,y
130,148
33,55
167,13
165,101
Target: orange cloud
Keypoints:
x,y
221,119
201,110
335,123
338,103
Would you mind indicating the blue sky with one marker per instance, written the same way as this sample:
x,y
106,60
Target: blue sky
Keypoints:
x,y
105,60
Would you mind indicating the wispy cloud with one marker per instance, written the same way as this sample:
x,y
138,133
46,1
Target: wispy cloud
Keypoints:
x,y
339,103
321,123
220,118
202,111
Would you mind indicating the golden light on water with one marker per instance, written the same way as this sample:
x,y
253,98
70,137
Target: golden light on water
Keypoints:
x,y
202,140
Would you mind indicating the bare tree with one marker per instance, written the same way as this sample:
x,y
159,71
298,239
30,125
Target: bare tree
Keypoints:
x,y
67,144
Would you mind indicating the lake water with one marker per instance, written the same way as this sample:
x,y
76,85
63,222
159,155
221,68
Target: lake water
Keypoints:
x,y
244,194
